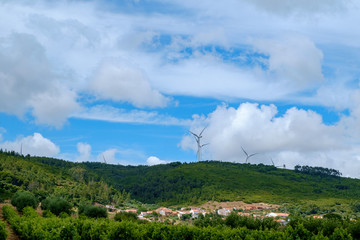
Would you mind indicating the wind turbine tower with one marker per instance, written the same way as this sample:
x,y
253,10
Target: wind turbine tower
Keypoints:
x,y
199,145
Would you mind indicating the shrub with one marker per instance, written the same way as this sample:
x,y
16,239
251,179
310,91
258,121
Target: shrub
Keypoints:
x,y
93,211
334,216
24,199
47,214
126,216
56,205
3,232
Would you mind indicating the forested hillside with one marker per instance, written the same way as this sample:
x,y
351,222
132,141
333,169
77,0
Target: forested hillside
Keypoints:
x,y
73,182
223,181
189,183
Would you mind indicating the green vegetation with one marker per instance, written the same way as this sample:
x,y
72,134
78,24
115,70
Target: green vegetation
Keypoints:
x,y
3,232
57,178
179,183
194,183
92,211
24,199
56,205
318,171
126,216
32,226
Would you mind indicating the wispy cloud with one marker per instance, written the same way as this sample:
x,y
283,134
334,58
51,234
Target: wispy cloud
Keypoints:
x,y
112,114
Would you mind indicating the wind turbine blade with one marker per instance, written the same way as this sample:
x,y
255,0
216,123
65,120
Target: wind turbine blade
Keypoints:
x,y
195,135
272,162
205,144
245,152
252,155
202,131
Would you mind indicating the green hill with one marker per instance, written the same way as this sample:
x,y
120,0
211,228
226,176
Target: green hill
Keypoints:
x,y
175,183
72,181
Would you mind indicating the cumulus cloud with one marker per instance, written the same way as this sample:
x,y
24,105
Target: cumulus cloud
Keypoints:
x,y
295,60
125,83
84,150
54,106
35,145
295,137
28,82
152,160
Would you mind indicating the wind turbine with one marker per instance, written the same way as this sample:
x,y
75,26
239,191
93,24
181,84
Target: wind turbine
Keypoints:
x,y
198,141
104,159
247,155
21,149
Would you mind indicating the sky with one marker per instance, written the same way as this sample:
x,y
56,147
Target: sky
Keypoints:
x,y
124,81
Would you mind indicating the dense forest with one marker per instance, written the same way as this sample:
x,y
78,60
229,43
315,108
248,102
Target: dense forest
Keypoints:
x,y
176,183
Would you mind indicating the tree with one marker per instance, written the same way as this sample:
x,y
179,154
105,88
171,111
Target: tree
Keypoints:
x,y
24,199
93,211
56,205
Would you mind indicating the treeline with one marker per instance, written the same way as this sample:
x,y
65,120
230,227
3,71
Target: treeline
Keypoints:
x,y
318,171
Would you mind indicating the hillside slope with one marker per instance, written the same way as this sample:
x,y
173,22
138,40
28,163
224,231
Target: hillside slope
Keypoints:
x,y
174,183
223,181
72,182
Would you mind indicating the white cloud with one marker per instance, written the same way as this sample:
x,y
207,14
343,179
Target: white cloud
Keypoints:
x,y
295,60
295,137
108,156
112,114
84,149
54,106
28,82
2,130
74,38
121,156
35,145
305,7
152,160
125,83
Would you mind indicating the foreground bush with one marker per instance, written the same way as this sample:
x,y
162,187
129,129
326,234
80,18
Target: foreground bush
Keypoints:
x,y
24,199
56,205
3,232
93,211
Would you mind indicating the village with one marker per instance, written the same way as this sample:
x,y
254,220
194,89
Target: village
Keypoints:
x,y
176,214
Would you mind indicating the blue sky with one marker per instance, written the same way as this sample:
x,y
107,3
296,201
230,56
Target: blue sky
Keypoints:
x,y
126,80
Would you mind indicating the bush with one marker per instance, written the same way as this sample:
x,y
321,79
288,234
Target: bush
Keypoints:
x,y
93,211
47,214
56,205
126,216
3,232
24,199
